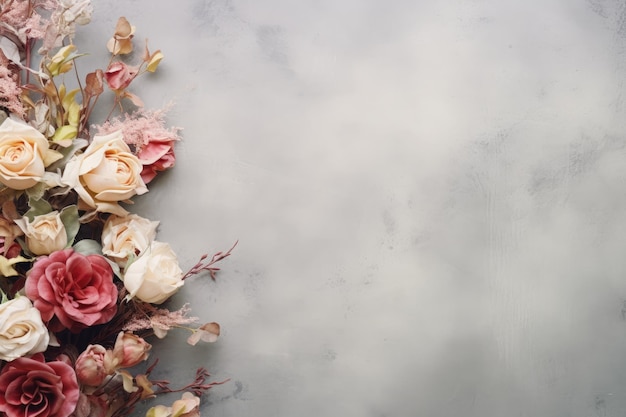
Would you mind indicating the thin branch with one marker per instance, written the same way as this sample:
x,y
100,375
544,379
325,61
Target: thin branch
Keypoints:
x,y
201,266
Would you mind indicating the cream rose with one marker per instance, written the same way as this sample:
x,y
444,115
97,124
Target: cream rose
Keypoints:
x,y
45,234
155,276
22,331
126,236
24,155
106,173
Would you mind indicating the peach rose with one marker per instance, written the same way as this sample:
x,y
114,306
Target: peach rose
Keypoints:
x,y
105,174
44,234
24,155
127,236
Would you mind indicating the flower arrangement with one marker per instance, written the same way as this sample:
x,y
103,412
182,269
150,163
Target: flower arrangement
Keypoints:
x,y
82,280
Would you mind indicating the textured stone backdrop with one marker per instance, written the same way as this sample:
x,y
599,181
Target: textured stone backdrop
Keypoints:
x,y
429,198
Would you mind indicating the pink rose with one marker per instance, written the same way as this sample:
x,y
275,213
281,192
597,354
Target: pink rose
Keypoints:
x,y
72,291
30,387
119,75
156,155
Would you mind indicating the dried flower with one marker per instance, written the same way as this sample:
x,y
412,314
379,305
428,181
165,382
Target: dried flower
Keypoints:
x,y
126,237
155,276
45,233
31,387
153,143
106,173
121,42
119,75
92,273
24,155
129,350
72,290
90,368
22,331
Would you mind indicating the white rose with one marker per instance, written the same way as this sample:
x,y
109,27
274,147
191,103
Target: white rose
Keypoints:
x,y
155,276
106,173
45,234
125,236
22,331
24,155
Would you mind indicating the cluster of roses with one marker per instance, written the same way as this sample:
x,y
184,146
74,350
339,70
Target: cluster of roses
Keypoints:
x,y
82,280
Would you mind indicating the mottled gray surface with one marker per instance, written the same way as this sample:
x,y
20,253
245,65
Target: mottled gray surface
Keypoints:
x,y
429,198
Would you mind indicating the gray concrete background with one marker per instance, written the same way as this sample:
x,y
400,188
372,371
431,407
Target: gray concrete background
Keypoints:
x,y
429,198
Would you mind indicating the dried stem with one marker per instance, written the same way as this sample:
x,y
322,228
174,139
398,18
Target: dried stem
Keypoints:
x,y
201,266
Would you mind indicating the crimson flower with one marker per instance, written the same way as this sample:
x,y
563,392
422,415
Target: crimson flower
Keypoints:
x,y
31,387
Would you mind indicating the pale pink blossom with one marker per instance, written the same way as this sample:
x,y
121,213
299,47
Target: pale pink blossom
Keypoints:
x,y
90,366
129,350
119,75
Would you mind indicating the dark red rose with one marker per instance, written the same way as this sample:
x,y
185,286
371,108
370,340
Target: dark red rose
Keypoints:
x,y
72,291
30,387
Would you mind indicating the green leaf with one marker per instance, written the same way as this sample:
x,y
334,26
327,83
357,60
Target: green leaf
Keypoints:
x,y
36,191
68,152
38,206
88,247
65,133
69,217
92,247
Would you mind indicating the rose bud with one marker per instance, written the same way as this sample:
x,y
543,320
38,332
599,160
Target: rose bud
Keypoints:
x,y
129,350
44,233
90,366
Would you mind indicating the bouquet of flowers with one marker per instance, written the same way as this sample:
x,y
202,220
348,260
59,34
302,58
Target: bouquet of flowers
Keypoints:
x,y
82,280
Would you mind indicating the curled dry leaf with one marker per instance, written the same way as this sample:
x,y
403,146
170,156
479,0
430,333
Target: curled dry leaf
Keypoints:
x,y
121,42
133,98
127,381
94,85
154,61
146,386
208,332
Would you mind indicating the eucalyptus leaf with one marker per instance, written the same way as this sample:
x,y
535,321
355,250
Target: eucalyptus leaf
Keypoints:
x,y
37,208
36,191
68,153
69,217
88,247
